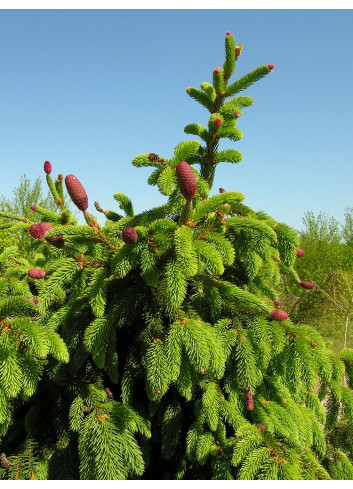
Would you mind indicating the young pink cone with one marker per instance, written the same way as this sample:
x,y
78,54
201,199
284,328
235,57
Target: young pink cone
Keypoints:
x,y
47,167
307,285
277,303
34,208
186,180
270,67
129,235
217,122
217,71
57,241
202,371
250,401
300,252
36,273
36,231
228,34
260,427
77,192
279,315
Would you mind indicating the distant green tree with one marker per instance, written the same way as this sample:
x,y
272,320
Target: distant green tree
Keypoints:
x,y
328,261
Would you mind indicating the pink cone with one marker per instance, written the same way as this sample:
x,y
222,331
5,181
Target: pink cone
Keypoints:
x,y
217,122
129,235
36,231
77,192
250,401
36,273
279,315
34,208
300,252
270,67
186,180
277,303
217,71
307,285
47,167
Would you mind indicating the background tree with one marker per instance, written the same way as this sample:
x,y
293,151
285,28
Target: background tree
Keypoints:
x,y
328,261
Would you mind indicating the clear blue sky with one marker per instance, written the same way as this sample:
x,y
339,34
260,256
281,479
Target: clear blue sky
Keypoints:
x,y
89,90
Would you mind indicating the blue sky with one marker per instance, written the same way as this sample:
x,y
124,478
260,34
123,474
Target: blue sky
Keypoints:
x,y
89,90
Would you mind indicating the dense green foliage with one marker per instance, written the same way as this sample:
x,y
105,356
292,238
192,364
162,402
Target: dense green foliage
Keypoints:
x,y
151,349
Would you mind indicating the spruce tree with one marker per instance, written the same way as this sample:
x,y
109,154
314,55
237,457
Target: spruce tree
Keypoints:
x,y
156,347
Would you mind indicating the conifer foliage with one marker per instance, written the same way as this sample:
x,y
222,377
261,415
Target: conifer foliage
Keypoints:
x,y
153,347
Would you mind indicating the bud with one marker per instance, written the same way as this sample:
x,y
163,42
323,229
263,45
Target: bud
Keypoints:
x,y
47,167
36,273
300,252
237,114
186,180
217,122
158,391
33,208
129,235
238,49
279,315
77,192
228,34
188,89
307,285
276,303
270,67
202,371
217,71
153,157
260,427
249,401
222,190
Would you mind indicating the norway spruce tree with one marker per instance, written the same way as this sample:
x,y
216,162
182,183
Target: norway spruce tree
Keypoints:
x,y
154,347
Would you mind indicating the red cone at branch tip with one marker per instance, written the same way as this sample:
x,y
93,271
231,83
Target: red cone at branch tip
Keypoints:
x,y
237,114
307,285
217,122
276,303
217,71
36,273
260,427
34,208
279,315
186,180
158,391
77,192
300,252
228,34
270,67
222,190
250,401
47,167
202,371
129,235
